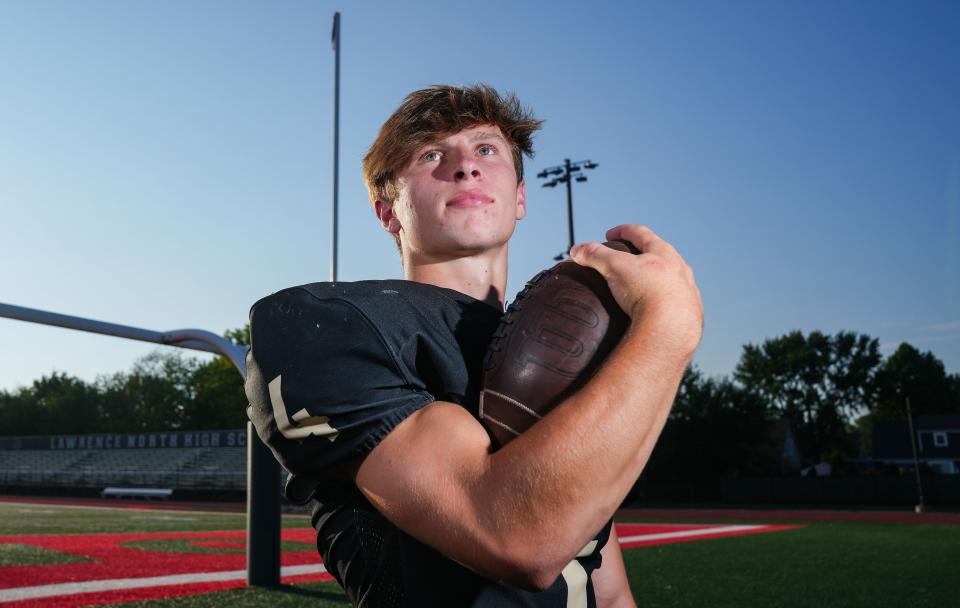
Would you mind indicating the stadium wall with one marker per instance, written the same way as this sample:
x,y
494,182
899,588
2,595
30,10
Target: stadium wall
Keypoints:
x,y
879,491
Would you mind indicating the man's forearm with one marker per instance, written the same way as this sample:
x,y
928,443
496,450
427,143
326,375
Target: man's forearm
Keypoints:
x,y
521,513
565,476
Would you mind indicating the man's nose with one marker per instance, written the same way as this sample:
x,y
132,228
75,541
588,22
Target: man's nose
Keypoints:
x,y
461,174
466,166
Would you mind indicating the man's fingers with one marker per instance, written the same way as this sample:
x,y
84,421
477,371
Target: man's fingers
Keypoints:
x,y
642,237
593,255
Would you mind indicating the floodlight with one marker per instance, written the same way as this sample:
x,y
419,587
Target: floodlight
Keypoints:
x,y
562,175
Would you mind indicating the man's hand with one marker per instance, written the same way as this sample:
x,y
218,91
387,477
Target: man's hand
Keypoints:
x,y
657,284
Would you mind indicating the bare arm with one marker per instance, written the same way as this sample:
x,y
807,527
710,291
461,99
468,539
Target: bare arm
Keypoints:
x,y
562,479
610,584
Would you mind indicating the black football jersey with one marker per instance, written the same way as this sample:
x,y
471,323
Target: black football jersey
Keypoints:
x,y
332,369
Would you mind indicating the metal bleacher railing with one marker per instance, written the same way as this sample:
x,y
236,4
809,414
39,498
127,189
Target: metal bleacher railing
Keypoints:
x,y
263,472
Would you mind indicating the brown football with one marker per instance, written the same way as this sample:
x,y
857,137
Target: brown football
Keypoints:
x,y
553,337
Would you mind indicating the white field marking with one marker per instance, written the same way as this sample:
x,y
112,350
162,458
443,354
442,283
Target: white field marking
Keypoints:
x,y
164,518
688,533
26,593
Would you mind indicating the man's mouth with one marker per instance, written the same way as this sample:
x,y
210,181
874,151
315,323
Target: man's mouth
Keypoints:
x,y
469,198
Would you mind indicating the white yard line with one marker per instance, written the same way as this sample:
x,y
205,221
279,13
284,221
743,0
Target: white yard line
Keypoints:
x,y
26,593
688,533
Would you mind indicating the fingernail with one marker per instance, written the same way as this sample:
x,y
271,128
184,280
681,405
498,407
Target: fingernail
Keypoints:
x,y
574,250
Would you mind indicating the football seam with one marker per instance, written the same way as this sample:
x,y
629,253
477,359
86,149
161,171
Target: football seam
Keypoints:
x,y
503,426
513,309
511,402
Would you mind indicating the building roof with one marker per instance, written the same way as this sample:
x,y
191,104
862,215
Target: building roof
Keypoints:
x,y
937,422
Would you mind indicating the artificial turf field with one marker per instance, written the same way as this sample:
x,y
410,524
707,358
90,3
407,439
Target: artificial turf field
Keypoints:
x,y
820,564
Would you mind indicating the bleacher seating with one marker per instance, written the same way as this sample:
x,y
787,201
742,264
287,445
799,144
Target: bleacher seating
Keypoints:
x,y
190,468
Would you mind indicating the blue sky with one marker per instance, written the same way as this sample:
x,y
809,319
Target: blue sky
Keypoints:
x,y
164,165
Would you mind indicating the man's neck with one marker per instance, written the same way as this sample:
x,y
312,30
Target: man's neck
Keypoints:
x,y
483,276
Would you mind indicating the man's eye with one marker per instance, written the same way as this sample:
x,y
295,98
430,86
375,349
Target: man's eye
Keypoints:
x,y
486,150
430,156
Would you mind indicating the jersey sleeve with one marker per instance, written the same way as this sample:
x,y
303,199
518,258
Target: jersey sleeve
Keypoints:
x,y
324,384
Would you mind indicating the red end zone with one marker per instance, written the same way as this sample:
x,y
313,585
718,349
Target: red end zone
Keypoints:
x,y
119,572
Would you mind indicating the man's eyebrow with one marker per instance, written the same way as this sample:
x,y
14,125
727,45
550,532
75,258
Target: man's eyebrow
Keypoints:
x,y
474,137
486,135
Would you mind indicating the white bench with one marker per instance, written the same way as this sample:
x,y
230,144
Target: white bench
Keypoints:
x,y
162,493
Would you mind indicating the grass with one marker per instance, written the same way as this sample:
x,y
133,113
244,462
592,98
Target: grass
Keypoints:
x,y
821,564
13,554
25,518
315,595
186,545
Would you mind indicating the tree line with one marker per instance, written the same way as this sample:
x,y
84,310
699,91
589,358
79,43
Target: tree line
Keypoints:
x,y
828,391
821,387
163,391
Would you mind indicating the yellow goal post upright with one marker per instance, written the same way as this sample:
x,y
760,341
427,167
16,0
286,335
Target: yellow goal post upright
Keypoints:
x,y
263,472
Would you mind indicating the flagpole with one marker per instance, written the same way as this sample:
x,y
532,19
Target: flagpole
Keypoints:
x,y
335,39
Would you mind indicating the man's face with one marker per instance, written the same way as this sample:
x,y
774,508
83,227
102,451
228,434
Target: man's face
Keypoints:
x,y
457,196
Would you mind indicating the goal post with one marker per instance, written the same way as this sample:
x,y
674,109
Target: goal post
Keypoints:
x,y
263,472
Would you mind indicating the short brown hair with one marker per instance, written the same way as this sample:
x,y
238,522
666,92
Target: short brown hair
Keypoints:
x,y
438,111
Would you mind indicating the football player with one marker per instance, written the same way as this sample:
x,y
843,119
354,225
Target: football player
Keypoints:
x,y
367,392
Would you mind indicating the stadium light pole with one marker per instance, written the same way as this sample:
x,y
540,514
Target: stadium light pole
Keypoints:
x,y
566,173
335,39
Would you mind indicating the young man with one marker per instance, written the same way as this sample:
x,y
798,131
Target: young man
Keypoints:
x,y
367,392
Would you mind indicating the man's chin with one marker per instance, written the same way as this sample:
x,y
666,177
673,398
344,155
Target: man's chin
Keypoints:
x,y
462,248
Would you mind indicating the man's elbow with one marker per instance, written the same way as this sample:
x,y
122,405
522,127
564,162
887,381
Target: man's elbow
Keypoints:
x,y
532,567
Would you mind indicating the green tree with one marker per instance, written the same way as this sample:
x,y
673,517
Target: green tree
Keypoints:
x,y
155,394
69,403
219,400
52,403
820,383
19,414
919,376
715,429
163,390
239,336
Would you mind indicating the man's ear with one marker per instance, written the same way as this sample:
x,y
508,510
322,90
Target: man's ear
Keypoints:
x,y
521,200
385,213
